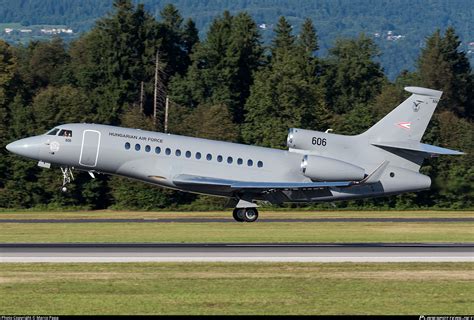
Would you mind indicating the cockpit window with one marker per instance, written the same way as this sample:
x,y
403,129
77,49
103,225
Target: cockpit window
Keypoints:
x,y
65,133
52,132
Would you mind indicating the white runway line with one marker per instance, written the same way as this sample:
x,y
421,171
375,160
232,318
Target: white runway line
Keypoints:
x,y
228,259
236,253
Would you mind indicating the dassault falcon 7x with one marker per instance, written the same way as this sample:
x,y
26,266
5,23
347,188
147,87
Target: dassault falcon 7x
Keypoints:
x,y
318,166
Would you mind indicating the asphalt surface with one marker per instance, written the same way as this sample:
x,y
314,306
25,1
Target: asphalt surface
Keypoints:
x,y
237,252
227,220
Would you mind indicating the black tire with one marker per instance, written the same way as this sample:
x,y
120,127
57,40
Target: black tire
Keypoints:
x,y
238,214
251,215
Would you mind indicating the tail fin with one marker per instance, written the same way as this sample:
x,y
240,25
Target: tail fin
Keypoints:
x,y
409,120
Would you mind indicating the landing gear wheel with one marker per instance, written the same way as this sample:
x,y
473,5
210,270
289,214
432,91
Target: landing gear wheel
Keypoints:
x,y
251,215
238,214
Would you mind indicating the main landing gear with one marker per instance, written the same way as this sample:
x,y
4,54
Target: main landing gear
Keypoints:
x,y
245,214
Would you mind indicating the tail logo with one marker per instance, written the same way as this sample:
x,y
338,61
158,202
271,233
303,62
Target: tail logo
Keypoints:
x,y
404,125
416,105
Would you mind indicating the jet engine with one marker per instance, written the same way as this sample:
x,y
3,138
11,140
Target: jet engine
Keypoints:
x,y
328,169
309,139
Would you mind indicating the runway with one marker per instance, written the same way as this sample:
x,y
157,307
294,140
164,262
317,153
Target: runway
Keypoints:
x,y
230,220
238,252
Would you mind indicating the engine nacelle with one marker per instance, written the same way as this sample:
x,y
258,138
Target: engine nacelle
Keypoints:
x,y
309,139
327,169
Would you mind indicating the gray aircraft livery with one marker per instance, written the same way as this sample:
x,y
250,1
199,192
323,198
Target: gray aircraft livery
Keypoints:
x,y
318,166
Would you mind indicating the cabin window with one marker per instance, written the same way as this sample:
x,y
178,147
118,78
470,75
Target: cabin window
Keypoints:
x,y
127,145
178,153
65,133
157,150
219,158
240,161
137,147
168,151
209,157
188,154
52,132
198,155
230,160
147,148
249,162
260,164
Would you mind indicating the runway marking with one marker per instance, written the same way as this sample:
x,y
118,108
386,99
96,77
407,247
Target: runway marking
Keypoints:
x,y
62,252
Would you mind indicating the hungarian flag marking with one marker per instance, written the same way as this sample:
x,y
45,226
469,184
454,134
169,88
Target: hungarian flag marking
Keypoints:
x,y
404,125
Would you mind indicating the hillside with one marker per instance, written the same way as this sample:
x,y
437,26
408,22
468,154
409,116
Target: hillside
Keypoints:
x,y
398,26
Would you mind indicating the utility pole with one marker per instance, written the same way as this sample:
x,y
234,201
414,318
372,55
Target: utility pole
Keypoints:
x,y
141,97
155,98
166,113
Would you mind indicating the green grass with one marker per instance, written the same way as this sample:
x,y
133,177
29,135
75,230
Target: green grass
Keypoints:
x,y
237,232
238,288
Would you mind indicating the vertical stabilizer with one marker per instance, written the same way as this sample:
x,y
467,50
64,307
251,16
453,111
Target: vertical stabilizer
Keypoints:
x,y
409,120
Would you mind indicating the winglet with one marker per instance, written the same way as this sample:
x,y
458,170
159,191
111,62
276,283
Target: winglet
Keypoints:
x,y
376,174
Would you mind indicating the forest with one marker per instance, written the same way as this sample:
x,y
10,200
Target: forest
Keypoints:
x,y
228,85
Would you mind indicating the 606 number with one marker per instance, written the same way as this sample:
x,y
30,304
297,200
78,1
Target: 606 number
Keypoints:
x,y
319,141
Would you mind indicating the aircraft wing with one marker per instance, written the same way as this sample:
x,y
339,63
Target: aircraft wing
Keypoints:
x,y
185,180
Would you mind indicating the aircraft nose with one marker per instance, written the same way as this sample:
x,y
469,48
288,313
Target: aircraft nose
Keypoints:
x,y
14,147
28,147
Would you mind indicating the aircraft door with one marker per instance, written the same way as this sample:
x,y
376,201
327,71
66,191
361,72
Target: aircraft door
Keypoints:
x,y
90,148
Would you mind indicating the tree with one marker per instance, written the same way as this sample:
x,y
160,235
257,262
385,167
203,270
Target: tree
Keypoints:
x,y
308,38
284,39
8,67
286,93
282,98
443,67
116,56
176,40
222,66
56,105
351,76
190,36
205,121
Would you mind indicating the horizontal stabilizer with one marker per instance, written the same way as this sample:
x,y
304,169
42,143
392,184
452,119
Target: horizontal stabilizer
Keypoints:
x,y
424,92
417,147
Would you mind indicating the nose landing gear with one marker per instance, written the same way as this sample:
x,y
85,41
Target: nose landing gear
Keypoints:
x,y
67,177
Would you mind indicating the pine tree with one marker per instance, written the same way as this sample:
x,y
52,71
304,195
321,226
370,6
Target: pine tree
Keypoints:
x,y
190,37
308,38
283,40
173,44
206,121
281,98
222,66
443,67
7,72
351,75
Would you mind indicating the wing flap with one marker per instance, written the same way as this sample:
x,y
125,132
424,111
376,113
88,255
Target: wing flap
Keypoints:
x,y
234,185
